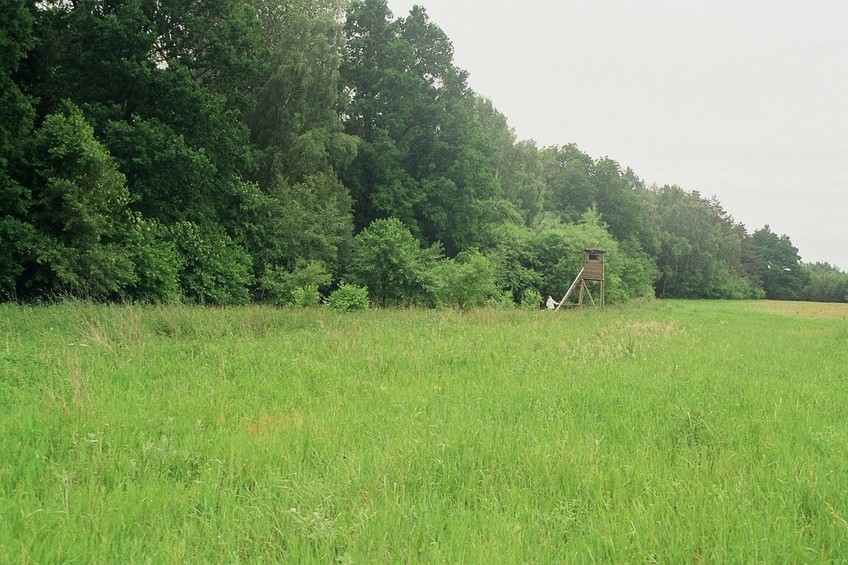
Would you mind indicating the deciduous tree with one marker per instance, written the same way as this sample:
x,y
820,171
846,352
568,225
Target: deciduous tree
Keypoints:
x,y
781,270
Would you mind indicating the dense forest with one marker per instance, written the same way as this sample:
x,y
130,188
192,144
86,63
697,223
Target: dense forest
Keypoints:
x,y
227,151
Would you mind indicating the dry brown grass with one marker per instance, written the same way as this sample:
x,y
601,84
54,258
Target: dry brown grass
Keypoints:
x,y
813,310
620,339
266,423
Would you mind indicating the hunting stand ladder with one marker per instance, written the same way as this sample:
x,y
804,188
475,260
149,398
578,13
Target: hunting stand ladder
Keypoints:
x,y
593,270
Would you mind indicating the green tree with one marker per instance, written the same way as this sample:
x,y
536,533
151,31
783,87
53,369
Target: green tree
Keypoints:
x,y
388,260
521,175
423,156
699,247
301,212
294,120
379,94
576,183
782,274
512,250
79,210
466,281
827,284
288,223
165,86
570,190
158,264
16,122
215,269
16,112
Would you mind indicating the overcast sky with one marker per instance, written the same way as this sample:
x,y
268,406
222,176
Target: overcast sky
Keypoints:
x,y
741,99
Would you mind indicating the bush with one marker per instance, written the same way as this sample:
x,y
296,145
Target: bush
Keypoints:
x,y
465,282
157,263
16,243
215,270
531,299
349,297
502,300
284,287
306,296
388,260
513,254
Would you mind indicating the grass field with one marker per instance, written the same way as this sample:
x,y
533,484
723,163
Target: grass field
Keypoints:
x,y
672,432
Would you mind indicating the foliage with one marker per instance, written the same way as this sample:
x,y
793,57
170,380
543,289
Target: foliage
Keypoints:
x,y
16,122
502,300
281,286
512,250
558,255
79,208
827,283
782,274
388,260
467,281
638,272
287,224
699,247
157,262
518,166
348,298
294,120
164,86
423,155
17,243
306,296
215,269
531,299
547,257
577,183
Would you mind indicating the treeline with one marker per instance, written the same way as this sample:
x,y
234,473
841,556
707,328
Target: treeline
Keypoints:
x,y
223,151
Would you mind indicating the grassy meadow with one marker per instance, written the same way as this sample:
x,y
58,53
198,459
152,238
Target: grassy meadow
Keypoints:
x,y
666,432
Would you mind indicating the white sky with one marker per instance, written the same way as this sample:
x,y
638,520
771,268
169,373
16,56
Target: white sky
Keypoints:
x,y
746,100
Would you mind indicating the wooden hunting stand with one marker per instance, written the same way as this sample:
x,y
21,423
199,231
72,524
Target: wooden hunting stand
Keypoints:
x,y
593,270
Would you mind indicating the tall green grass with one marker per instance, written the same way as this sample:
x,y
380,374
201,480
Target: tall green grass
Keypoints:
x,y
656,432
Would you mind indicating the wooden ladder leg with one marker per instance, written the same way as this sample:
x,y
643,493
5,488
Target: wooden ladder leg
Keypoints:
x,y
570,290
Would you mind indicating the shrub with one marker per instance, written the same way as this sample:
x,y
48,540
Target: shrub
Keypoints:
x,y
513,254
349,297
280,286
388,260
531,299
306,296
157,263
502,300
215,270
465,282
